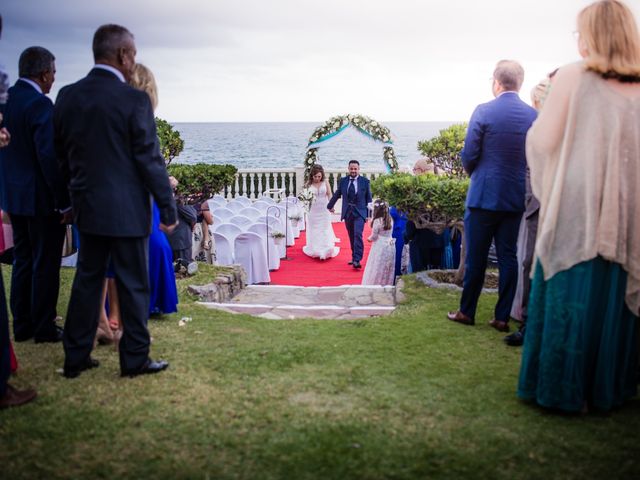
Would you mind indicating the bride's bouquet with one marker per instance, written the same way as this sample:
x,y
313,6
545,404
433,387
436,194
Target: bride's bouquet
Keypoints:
x,y
306,196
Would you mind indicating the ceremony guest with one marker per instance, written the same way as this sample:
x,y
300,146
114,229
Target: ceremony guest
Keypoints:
x,y
9,395
399,225
181,239
109,153
380,268
527,237
34,195
163,292
203,249
355,192
580,348
494,156
321,239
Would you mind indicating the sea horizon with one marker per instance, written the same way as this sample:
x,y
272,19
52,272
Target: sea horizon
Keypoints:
x,y
282,144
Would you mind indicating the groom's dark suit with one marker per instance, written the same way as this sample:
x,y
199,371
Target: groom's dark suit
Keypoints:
x,y
354,210
108,149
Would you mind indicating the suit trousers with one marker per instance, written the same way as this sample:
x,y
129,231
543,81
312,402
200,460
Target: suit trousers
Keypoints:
x,y
129,256
5,356
355,226
481,226
35,278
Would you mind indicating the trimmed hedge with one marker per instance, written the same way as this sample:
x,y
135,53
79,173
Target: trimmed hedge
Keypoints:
x,y
200,181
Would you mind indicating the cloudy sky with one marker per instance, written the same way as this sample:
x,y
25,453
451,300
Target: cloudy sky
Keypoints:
x,y
298,60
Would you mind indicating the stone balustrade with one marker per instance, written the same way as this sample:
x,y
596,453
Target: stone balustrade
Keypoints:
x,y
255,182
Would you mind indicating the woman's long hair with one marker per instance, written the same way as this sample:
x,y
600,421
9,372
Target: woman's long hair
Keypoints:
x,y
315,169
381,210
143,79
610,35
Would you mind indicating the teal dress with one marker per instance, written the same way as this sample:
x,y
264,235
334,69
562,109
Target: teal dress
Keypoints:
x,y
581,343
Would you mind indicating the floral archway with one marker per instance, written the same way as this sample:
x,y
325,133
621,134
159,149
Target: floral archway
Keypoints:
x,y
364,125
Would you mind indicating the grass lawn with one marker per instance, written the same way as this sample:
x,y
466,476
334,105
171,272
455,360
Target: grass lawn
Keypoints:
x,y
410,396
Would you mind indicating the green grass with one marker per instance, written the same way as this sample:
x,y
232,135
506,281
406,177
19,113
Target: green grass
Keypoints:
x,y
411,395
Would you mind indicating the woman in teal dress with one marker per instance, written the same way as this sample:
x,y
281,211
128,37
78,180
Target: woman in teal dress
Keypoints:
x,y
580,351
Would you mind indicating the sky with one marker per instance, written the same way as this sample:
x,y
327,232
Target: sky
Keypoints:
x,y
298,60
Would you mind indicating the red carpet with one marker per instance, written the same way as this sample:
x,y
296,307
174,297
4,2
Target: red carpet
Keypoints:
x,y
304,271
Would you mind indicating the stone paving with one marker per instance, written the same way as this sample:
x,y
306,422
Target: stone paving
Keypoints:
x,y
346,302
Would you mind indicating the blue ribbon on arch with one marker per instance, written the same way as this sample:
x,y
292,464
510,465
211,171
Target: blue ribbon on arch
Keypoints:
x,y
327,137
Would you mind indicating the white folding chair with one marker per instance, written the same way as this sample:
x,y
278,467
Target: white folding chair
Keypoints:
x,y
229,230
250,254
224,249
275,225
221,215
250,212
235,206
243,201
273,253
241,221
288,228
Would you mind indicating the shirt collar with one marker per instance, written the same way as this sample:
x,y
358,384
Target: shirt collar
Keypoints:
x,y
111,69
507,91
32,83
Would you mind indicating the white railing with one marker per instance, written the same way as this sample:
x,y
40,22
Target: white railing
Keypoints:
x,y
253,183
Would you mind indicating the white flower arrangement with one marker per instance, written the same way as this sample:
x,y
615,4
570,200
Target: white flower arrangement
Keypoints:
x,y
307,197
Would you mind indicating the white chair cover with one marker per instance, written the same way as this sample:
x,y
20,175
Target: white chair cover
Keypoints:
x,y
224,249
250,212
229,230
296,209
241,221
261,206
243,200
273,252
221,215
267,199
250,254
216,203
275,225
235,206
288,227
217,196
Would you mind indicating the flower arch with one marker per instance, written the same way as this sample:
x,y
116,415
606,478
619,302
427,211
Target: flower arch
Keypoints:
x,y
336,125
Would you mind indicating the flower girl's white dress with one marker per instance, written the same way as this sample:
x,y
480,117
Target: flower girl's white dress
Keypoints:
x,y
381,264
320,237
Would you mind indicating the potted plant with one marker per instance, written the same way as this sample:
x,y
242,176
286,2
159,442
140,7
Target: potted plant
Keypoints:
x,y
278,237
295,218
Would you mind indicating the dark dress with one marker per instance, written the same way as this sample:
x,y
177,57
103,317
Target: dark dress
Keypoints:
x,y
425,247
399,224
162,280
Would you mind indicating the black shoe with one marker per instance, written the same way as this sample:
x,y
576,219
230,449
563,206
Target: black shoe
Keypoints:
x,y
350,263
357,265
149,367
516,339
75,371
54,338
23,337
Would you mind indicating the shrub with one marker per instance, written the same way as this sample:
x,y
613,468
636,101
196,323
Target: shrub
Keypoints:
x,y
440,198
171,145
200,181
444,150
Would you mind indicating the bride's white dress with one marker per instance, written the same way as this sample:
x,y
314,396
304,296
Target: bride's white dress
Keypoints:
x,y
381,263
320,237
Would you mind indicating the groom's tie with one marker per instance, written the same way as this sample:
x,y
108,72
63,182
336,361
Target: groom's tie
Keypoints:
x,y
351,191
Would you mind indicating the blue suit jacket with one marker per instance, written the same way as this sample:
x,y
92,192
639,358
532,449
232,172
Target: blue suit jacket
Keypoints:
x,y
363,196
494,153
30,181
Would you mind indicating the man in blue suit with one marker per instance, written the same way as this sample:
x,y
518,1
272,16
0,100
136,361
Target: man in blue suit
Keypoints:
x,y
494,156
356,195
36,198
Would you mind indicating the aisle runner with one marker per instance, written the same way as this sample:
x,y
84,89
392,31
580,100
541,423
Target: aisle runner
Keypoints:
x,y
305,271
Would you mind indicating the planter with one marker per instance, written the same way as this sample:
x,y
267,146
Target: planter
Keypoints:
x,y
294,222
278,241
445,279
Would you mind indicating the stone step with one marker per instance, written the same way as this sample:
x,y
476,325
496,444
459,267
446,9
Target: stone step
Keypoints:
x,y
287,302
280,312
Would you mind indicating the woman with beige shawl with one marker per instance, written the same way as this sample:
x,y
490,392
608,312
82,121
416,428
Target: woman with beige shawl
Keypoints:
x,y
580,349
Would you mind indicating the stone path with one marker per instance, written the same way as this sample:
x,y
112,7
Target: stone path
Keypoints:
x,y
287,302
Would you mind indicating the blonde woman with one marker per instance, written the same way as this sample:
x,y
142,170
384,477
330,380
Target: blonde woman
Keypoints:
x,y
163,291
580,349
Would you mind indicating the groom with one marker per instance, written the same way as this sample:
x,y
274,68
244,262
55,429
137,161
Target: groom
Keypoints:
x,y
356,195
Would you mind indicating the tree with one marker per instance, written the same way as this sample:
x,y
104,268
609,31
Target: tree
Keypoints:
x,y
170,142
444,150
200,181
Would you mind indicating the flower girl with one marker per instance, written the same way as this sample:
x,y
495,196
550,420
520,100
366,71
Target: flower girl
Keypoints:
x,y
380,268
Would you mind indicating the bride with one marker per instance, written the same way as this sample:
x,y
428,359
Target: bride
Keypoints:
x,y
320,237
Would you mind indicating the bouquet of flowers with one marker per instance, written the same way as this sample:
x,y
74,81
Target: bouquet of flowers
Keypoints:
x,y
306,196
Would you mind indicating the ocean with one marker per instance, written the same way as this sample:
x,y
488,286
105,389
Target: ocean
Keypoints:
x,y
283,144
